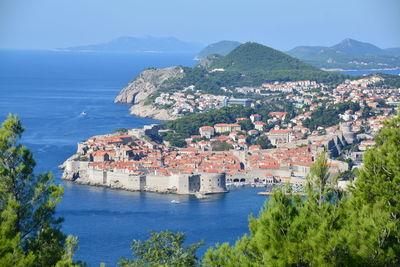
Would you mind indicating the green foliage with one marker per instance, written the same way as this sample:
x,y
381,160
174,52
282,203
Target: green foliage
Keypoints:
x,y
379,179
326,228
327,116
250,64
246,125
205,81
390,81
11,252
162,249
264,142
31,234
221,146
174,139
378,185
347,176
319,175
71,246
250,57
189,125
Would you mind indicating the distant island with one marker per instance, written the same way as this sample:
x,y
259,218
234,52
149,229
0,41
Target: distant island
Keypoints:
x,y
349,54
220,48
148,44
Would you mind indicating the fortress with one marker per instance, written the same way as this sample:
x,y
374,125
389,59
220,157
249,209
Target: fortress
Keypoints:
x,y
193,183
132,161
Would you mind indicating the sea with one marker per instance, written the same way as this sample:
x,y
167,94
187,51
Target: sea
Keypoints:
x,y
65,97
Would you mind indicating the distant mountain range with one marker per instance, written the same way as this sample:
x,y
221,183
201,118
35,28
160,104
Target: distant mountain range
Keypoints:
x,y
351,46
220,48
139,45
348,54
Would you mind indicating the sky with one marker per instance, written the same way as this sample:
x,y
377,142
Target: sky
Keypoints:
x,y
281,24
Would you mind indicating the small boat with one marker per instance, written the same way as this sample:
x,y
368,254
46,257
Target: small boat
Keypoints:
x,y
175,201
83,113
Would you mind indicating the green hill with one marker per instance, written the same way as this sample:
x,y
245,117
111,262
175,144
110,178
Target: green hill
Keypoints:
x,y
249,64
221,48
254,57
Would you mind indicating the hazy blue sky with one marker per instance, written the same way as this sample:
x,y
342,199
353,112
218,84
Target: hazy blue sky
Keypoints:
x,y
282,24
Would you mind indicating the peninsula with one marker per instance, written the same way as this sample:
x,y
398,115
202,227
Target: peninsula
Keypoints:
x,y
240,128
157,93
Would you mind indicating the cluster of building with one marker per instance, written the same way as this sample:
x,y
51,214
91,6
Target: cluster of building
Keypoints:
x,y
181,102
127,162
365,92
281,87
133,162
300,93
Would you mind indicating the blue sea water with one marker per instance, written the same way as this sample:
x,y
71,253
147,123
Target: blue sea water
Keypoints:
x,y
48,91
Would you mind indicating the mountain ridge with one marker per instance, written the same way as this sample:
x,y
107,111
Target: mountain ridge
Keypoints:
x,y
348,54
128,44
351,46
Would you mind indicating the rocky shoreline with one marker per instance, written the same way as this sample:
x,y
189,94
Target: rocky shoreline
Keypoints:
x,y
142,87
119,162
151,111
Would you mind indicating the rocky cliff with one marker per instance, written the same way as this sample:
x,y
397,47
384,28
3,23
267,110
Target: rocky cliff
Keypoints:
x,y
145,84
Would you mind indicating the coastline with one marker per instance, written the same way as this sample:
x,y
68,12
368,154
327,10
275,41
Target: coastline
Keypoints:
x,y
385,69
125,165
151,111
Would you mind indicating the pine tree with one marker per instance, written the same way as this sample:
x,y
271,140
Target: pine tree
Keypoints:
x,y
162,249
327,227
373,229
324,229
318,177
11,252
30,229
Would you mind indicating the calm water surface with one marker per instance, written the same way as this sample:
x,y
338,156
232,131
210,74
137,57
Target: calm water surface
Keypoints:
x,y
49,90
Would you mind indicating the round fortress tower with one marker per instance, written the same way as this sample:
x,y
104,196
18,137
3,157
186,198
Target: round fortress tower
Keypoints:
x,y
348,134
213,183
